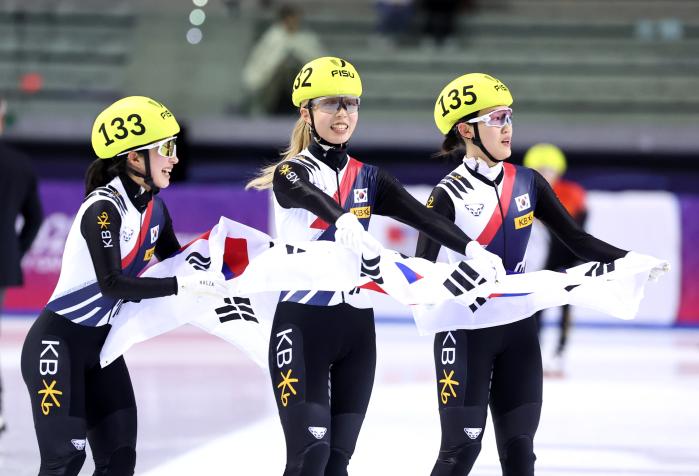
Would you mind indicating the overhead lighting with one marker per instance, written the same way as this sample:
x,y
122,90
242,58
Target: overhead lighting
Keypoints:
x,y
194,36
197,17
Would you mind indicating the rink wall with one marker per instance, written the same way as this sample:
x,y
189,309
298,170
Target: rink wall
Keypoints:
x,y
658,223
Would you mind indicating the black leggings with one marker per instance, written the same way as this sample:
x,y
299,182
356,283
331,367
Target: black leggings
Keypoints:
x,y
74,399
322,362
500,366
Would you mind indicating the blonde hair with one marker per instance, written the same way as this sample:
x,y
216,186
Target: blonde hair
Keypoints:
x,y
300,140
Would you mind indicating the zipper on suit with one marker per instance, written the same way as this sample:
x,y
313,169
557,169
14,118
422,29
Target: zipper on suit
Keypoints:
x,y
339,202
504,228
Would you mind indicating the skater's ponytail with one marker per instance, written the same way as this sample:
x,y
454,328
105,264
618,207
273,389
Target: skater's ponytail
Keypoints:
x,y
300,140
454,144
102,171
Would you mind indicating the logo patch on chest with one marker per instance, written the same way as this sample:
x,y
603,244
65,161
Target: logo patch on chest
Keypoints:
x,y
361,195
127,234
524,220
361,212
149,254
474,208
523,202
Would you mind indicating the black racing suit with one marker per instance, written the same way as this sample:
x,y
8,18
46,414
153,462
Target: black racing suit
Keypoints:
x,y
501,365
323,393
72,397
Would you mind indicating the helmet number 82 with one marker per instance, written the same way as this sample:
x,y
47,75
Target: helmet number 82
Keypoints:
x,y
122,132
467,97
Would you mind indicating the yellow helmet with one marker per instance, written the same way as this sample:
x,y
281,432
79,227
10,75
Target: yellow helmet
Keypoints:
x,y
326,76
545,156
130,123
466,95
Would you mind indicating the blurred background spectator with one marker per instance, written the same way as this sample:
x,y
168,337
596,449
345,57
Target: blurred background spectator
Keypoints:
x,y
395,18
440,21
274,62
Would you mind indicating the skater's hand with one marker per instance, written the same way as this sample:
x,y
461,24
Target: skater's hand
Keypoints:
x,y
656,271
476,252
202,283
350,232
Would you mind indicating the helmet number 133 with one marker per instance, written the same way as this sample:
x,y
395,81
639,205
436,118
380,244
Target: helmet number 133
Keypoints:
x,y
122,132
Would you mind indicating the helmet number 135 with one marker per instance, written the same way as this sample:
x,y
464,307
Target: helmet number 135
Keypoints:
x,y
467,97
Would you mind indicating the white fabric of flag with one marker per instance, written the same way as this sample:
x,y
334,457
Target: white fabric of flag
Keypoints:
x,y
257,268
613,288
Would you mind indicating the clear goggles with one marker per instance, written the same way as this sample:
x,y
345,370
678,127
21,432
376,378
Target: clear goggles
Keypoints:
x,y
497,118
333,104
166,147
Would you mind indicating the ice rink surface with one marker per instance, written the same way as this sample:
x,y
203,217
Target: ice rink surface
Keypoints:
x,y
628,405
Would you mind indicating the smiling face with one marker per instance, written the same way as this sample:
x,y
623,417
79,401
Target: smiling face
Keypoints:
x,y
160,167
335,127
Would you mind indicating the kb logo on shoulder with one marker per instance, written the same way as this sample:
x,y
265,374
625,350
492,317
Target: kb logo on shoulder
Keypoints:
x,y
105,234
288,174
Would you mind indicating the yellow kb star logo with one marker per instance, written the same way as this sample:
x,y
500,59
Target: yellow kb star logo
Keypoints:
x,y
286,382
103,220
47,392
448,386
285,169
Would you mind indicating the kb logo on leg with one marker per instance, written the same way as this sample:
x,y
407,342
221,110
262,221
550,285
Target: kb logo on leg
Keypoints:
x,y
48,365
285,357
448,357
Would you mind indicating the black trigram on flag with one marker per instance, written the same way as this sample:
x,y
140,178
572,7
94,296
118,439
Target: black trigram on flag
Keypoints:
x,y
198,261
477,304
463,279
290,249
117,308
236,308
598,269
370,268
